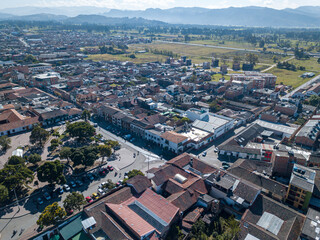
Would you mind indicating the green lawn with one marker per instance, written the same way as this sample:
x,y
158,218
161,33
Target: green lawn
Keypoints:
x,y
291,78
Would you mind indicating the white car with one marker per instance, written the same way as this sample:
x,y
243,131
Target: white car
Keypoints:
x,y
66,187
101,192
101,184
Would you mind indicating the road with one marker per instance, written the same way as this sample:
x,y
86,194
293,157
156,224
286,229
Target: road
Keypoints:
x,y
274,65
215,46
315,79
25,217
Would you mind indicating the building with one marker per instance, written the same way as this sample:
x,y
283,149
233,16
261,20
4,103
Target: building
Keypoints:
x,y
268,219
283,161
310,230
308,134
300,187
44,79
145,216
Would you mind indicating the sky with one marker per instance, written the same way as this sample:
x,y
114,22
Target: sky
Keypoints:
x,y
143,4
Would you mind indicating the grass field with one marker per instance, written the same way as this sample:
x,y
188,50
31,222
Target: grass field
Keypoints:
x,y
292,77
140,57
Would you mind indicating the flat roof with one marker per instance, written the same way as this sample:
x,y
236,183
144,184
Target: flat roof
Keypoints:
x,y
276,127
195,134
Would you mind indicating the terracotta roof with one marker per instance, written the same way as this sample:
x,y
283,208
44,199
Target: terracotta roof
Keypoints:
x,y
132,220
20,123
150,212
191,218
174,137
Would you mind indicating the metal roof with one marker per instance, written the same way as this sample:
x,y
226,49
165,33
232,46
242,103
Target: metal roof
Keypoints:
x,y
270,222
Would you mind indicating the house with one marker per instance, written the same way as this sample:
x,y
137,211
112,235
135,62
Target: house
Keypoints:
x,y
259,173
269,220
173,141
145,216
13,122
236,194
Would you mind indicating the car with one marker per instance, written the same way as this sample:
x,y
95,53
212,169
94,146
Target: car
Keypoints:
x,y
46,196
216,149
73,184
95,124
39,200
204,154
225,167
119,183
90,177
101,191
102,184
117,147
110,168
66,187
60,190
89,199
225,164
95,196
79,183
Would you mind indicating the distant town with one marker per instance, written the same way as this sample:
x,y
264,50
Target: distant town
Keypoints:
x,y
158,132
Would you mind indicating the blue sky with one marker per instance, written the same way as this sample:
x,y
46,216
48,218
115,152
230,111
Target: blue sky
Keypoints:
x,y
143,4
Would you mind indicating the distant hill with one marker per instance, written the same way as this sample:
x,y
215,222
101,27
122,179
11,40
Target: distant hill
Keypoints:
x,y
103,20
67,11
245,16
40,17
306,16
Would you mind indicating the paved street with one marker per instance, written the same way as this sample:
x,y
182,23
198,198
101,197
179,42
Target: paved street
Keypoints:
x,y
315,79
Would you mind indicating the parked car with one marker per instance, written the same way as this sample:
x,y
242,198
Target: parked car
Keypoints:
x,y
79,183
66,187
60,190
110,168
101,191
39,200
89,199
204,154
90,177
95,124
46,196
95,196
101,184
216,149
73,184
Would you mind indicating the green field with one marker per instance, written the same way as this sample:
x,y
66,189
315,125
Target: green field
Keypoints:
x,y
140,57
292,78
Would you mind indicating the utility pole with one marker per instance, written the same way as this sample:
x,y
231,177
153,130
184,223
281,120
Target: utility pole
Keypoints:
x,y
15,194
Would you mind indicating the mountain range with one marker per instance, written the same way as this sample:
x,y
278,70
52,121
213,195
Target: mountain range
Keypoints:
x,y
306,16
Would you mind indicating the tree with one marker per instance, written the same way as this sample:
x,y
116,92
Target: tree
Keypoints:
x,y
81,130
105,150
34,158
14,176
318,60
252,58
52,214
65,153
314,100
109,184
5,142
86,115
4,194
54,144
51,172
74,201
15,160
77,158
133,173
39,135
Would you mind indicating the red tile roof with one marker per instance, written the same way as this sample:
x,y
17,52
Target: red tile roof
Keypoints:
x,y
174,137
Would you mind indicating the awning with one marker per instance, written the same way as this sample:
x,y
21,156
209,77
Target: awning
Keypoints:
x,y
89,222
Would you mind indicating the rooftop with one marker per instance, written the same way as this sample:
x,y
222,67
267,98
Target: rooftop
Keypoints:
x,y
303,177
